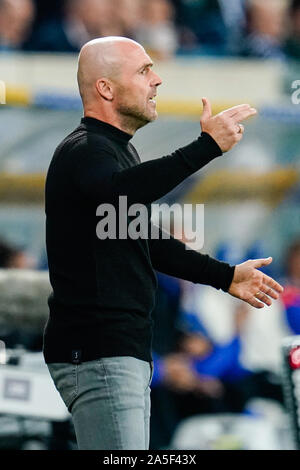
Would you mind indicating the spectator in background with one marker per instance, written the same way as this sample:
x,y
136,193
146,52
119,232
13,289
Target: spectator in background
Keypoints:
x,y
217,365
82,21
291,294
292,44
192,374
221,364
157,32
130,15
202,27
16,18
210,27
234,18
166,366
174,376
13,258
264,29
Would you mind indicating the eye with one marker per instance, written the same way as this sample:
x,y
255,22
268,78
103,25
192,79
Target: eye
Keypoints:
x,y
145,70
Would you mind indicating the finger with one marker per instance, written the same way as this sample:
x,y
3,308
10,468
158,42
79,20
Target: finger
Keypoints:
x,y
232,111
258,263
243,114
270,292
263,298
273,284
255,303
207,111
243,108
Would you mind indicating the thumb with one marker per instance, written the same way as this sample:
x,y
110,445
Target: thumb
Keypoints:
x,y
207,112
258,263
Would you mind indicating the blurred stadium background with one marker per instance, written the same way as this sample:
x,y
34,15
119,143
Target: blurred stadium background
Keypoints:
x,y
232,52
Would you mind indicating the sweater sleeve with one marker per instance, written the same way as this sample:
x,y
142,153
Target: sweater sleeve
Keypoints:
x,y
97,173
170,256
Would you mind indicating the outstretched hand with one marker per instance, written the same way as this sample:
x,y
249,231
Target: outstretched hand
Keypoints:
x,y
225,127
253,286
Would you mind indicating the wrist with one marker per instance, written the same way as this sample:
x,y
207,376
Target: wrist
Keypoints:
x,y
215,148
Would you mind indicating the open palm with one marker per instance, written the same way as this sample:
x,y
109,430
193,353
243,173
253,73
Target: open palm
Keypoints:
x,y
253,286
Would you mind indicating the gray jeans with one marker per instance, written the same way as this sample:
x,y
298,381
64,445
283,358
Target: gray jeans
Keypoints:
x,y
109,399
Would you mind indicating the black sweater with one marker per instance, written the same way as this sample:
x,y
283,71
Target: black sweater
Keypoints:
x,y
104,290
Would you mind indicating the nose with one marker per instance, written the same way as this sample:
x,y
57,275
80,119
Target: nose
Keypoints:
x,y
156,80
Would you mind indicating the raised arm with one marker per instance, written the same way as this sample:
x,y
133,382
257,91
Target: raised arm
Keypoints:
x,y
99,175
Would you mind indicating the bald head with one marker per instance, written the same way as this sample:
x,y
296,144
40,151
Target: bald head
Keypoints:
x,y
117,83
102,58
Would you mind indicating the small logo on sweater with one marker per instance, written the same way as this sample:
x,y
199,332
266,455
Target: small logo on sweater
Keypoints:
x,y
76,356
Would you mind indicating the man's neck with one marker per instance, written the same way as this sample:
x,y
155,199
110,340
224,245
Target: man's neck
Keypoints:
x,y
115,121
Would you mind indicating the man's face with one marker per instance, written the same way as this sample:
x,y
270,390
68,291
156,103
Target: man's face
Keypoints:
x,y
136,88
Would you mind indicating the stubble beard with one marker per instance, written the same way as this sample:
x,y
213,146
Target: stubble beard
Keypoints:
x,y
133,118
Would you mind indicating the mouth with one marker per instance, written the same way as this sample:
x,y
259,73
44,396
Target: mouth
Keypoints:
x,y
152,99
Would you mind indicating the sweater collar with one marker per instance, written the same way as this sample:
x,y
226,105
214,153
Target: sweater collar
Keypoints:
x,y
105,127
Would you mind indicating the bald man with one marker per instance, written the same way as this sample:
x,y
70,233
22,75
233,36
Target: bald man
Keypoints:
x,y
97,341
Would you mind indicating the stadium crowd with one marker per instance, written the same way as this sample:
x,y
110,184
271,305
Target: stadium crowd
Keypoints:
x,y
245,28
201,370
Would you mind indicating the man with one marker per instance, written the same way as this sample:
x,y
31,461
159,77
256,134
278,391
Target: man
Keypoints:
x,y
97,342
265,29
292,40
80,22
16,19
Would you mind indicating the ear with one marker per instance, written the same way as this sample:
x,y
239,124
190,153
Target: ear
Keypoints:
x,y
105,89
